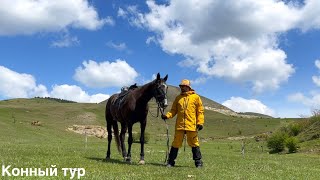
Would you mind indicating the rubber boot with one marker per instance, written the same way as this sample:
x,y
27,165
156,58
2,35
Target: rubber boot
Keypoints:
x,y
172,156
197,157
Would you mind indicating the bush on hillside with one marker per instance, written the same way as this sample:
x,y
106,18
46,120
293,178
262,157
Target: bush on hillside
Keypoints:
x,y
315,115
294,129
298,131
276,142
292,144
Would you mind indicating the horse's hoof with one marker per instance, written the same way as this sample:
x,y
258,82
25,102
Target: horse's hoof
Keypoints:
x,y
142,162
128,160
107,158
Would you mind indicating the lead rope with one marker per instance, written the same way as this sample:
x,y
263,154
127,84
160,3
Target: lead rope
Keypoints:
x,y
168,140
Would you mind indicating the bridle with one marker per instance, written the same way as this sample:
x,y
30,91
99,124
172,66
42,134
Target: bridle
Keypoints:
x,y
160,94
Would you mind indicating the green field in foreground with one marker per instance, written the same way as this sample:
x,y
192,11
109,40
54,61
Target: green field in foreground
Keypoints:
x,y
222,160
25,146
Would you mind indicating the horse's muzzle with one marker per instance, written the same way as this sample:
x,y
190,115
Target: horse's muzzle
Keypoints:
x,y
165,103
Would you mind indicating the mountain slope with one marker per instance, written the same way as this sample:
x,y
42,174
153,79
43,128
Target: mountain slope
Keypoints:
x,y
17,116
208,104
174,91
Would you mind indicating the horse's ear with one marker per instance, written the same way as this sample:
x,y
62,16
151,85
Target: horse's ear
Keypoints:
x,y
165,78
158,76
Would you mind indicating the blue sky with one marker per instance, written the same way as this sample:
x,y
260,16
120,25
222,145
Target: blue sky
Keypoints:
x,y
259,56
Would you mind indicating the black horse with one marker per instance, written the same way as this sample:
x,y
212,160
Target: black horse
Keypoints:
x,y
132,108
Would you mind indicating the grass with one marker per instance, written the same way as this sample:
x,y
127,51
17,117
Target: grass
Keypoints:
x,y
26,146
222,160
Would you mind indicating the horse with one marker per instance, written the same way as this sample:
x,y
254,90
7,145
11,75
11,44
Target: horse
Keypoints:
x,y
130,109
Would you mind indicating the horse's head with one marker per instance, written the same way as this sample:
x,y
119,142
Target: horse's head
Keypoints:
x,y
160,91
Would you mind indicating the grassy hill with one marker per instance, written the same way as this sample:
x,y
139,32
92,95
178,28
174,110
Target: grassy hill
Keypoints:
x,y
255,114
24,145
55,116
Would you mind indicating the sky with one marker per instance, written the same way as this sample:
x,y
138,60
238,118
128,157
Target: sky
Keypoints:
x,y
251,56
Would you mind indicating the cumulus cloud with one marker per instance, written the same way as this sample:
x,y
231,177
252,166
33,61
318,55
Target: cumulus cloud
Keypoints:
x,y
13,85
237,41
313,101
240,104
309,15
21,85
28,16
75,93
105,74
316,79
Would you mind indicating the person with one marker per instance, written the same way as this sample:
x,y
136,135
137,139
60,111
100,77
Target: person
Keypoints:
x,y
190,119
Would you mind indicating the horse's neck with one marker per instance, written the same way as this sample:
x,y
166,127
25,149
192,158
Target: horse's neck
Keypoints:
x,y
146,92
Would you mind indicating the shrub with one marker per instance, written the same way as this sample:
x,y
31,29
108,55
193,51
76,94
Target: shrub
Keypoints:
x,y
292,144
277,142
295,129
136,137
315,116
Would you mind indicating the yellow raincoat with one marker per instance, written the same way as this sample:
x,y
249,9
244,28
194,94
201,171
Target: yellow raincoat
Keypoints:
x,y
189,110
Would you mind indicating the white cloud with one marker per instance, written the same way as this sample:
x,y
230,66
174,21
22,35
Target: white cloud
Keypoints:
x,y
109,21
19,85
200,80
122,13
240,104
119,47
313,101
316,79
66,41
309,15
97,98
135,18
317,63
30,16
105,74
227,39
150,40
75,93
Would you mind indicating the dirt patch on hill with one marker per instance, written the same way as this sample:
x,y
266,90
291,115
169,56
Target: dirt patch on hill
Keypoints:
x,y
237,138
89,130
85,118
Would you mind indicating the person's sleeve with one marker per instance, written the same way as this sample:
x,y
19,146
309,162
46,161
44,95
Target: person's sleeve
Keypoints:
x,y
173,110
200,112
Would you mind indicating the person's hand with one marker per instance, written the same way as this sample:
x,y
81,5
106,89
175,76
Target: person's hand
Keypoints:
x,y
164,117
199,127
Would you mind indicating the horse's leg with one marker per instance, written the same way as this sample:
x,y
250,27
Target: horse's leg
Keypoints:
x,y
129,143
122,137
142,127
109,126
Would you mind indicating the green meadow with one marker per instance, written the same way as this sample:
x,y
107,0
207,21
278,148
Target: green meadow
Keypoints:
x,y
23,145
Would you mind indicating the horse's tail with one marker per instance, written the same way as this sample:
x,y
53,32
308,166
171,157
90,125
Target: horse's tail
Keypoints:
x,y
117,136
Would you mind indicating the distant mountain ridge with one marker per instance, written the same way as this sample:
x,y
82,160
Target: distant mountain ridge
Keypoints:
x,y
208,104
